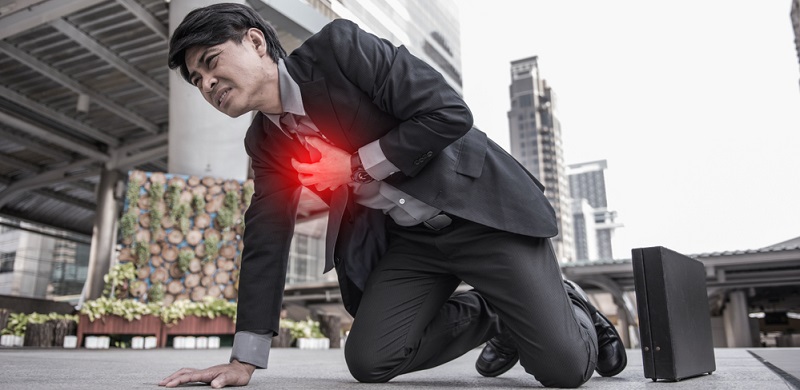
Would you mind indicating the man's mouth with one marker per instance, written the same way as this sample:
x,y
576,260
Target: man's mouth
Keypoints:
x,y
222,97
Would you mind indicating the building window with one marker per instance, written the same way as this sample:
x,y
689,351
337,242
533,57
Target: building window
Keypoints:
x,y
526,100
7,262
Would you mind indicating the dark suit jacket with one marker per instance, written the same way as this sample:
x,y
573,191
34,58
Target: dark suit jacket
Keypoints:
x,y
357,88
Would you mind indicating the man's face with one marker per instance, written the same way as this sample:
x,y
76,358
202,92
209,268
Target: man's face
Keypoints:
x,y
235,78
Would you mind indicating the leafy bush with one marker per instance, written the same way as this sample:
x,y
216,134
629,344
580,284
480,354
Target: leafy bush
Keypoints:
x,y
302,329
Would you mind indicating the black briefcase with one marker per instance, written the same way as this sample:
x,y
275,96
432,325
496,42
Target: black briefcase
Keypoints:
x,y
674,317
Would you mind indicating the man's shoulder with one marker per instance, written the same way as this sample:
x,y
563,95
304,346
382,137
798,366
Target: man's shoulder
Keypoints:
x,y
338,26
257,129
336,29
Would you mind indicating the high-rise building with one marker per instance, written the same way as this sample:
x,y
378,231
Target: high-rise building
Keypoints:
x,y
429,29
795,16
594,223
536,143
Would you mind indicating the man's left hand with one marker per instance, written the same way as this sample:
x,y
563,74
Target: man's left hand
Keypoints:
x,y
330,172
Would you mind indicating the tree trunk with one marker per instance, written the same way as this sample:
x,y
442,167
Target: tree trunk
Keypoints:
x,y
39,335
331,326
283,339
63,328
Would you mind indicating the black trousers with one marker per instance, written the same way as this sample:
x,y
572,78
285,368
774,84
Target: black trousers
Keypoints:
x,y
410,320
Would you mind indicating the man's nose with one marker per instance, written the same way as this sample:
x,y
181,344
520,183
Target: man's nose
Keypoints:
x,y
209,83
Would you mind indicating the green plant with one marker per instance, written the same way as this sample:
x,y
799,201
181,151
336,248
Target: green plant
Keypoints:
x,y
225,218
210,308
302,329
126,308
198,203
182,217
184,258
18,322
156,213
141,253
173,197
226,214
213,307
118,276
16,325
212,248
156,193
247,193
155,218
231,201
128,224
156,292
132,194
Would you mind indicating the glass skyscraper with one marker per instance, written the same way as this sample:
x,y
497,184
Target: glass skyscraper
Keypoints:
x,y
536,143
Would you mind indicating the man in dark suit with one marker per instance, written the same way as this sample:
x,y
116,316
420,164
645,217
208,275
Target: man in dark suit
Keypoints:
x,y
420,201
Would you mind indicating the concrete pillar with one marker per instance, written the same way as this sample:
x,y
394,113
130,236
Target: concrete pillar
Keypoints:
x,y
624,328
104,233
737,322
202,140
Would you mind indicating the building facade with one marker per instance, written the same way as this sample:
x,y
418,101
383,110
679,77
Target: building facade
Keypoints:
x,y
429,29
40,264
594,223
795,16
536,143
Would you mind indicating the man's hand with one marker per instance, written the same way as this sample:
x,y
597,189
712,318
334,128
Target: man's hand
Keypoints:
x,y
330,172
231,374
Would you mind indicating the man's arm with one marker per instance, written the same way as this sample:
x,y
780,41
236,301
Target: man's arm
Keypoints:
x,y
270,223
432,113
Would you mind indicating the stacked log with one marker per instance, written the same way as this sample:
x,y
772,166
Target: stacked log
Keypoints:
x,y
40,335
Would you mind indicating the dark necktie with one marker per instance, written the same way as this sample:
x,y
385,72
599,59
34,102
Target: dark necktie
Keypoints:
x,y
299,130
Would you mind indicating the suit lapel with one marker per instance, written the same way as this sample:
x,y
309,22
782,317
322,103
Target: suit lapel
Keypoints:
x,y
319,108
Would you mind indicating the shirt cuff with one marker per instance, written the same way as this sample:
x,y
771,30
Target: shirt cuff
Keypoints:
x,y
375,162
252,348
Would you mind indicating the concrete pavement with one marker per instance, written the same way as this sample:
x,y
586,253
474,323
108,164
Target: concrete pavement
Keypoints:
x,y
292,368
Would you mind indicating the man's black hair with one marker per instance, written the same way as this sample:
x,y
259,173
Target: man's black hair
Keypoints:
x,y
216,24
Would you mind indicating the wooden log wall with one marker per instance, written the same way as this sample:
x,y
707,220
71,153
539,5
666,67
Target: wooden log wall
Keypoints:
x,y
178,256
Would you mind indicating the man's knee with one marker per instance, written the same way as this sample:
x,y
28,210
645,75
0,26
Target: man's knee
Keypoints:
x,y
362,364
567,377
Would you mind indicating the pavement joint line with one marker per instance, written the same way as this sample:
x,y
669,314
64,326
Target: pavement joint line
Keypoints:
x,y
790,379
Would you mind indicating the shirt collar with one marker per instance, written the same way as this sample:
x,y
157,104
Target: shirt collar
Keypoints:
x,y
291,100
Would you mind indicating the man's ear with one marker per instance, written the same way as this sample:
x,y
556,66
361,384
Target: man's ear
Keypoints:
x,y
256,37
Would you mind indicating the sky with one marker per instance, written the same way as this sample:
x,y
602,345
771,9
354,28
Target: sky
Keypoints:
x,y
695,105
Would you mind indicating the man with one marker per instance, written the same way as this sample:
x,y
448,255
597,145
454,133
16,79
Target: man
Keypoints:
x,y
420,201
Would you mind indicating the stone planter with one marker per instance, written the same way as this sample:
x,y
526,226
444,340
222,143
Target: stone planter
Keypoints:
x,y
8,340
307,343
197,326
115,325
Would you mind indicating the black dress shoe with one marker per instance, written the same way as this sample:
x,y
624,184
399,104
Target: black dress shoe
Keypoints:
x,y
498,356
611,356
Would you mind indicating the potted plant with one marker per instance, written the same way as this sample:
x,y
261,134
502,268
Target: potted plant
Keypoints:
x,y
14,333
307,334
212,316
106,316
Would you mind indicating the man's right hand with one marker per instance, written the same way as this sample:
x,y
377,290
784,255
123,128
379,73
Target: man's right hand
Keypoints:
x,y
231,374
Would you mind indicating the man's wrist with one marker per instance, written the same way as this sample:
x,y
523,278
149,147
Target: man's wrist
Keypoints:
x,y
247,366
358,173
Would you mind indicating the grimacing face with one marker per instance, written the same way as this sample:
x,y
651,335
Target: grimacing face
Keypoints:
x,y
236,78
